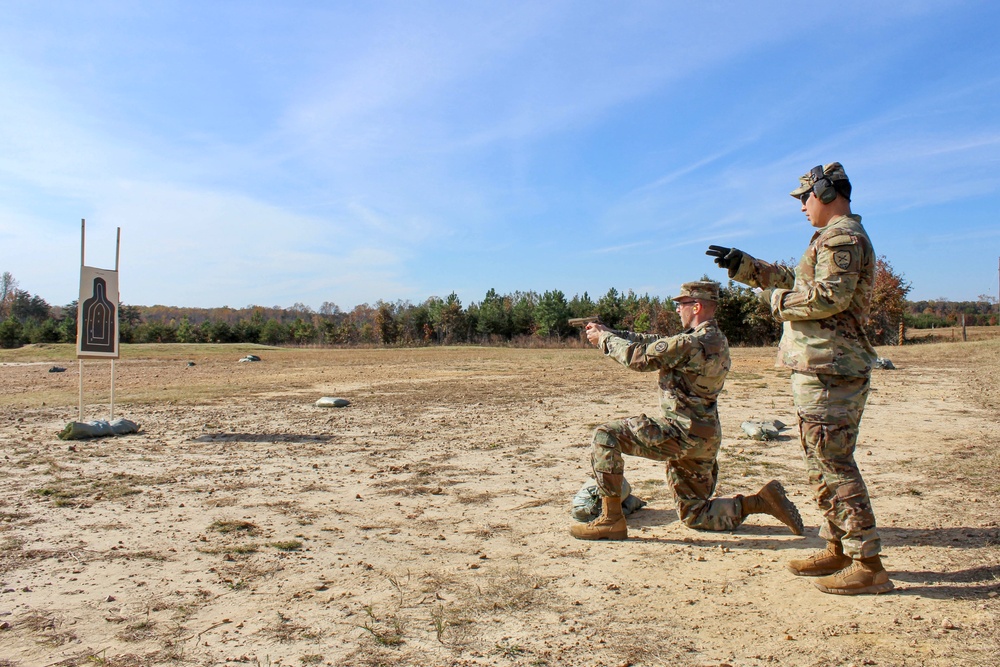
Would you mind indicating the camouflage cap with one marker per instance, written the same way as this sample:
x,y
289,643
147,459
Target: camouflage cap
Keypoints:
x,y
703,290
834,171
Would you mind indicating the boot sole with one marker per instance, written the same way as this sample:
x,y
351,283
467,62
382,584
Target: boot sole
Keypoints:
x,y
780,498
816,573
867,590
613,537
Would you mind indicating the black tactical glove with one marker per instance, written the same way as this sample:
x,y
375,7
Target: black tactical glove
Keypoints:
x,y
726,258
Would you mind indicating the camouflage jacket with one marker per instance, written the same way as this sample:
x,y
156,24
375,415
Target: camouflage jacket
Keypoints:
x,y
692,366
824,304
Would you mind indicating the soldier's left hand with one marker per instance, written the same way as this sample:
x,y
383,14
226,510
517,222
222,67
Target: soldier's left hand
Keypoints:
x,y
726,257
594,330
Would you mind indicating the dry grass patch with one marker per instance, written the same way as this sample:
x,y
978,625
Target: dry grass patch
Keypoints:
x,y
45,626
491,530
138,631
13,554
373,655
637,646
83,492
285,630
224,501
234,526
145,554
474,497
286,545
410,489
303,517
386,630
239,549
241,572
507,589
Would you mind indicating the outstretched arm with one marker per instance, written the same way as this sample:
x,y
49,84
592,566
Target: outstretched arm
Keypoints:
x,y
749,270
648,353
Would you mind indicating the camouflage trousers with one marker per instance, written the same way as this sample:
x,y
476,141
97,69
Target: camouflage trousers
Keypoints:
x,y
691,466
829,409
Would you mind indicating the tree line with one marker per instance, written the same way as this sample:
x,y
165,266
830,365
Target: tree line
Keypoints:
x,y
518,318
943,313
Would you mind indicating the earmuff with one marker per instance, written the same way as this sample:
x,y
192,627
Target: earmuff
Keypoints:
x,y
822,186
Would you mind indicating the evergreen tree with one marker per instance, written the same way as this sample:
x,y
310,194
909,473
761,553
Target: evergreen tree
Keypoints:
x,y
273,333
185,332
582,306
522,313
452,323
67,325
552,314
611,310
744,318
11,331
494,316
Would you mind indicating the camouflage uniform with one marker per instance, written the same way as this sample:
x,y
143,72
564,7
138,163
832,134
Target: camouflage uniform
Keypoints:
x,y
692,370
824,306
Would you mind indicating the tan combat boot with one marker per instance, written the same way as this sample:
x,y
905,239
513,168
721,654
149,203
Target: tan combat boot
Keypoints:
x,y
610,525
828,561
771,500
864,576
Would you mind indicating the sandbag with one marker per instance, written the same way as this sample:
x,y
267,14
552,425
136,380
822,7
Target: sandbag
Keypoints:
x,y
587,502
768,430
97,429
331,402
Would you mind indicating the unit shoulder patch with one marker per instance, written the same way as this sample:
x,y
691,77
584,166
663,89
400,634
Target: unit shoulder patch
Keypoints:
x,y
660,346
842,258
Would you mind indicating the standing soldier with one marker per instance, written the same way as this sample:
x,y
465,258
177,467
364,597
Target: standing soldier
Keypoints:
x,y
692,369
824,305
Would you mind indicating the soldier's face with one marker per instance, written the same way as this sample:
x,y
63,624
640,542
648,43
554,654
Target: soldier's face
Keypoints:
x,y
687,310
811,205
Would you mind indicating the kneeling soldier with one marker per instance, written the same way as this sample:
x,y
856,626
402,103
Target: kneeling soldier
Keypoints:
x,y
692,369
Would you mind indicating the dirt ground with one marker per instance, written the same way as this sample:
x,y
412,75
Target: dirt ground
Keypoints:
x,y
426,523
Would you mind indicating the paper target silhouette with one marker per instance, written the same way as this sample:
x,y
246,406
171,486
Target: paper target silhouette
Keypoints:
x,y
97,314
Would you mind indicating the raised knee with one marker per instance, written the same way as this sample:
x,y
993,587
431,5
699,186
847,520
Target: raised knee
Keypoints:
x,y
603,437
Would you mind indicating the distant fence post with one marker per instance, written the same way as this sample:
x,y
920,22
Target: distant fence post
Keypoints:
x,y
965,338
902,332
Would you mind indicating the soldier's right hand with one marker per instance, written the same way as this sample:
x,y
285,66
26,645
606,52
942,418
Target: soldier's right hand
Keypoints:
x,y
726,258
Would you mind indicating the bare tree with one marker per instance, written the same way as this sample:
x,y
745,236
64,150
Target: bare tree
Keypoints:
x,y
8,287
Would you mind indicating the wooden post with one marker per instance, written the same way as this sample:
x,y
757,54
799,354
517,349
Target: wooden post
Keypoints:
x,y
81,390
83,262
965,338
118,249
902,332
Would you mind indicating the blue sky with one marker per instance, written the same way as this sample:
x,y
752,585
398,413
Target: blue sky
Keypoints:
x,y
272,153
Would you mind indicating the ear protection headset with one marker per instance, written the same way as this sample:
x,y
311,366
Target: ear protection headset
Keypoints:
x,y
822,186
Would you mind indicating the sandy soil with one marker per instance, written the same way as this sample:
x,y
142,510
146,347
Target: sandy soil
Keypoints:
x,y
426,523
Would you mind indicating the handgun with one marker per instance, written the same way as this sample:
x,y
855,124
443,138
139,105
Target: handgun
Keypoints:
x,y
582,322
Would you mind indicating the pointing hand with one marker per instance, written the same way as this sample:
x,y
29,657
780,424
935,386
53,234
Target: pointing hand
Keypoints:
x,y
726,258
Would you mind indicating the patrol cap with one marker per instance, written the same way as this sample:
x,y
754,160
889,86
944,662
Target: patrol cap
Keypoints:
x,y
833,171
703,290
